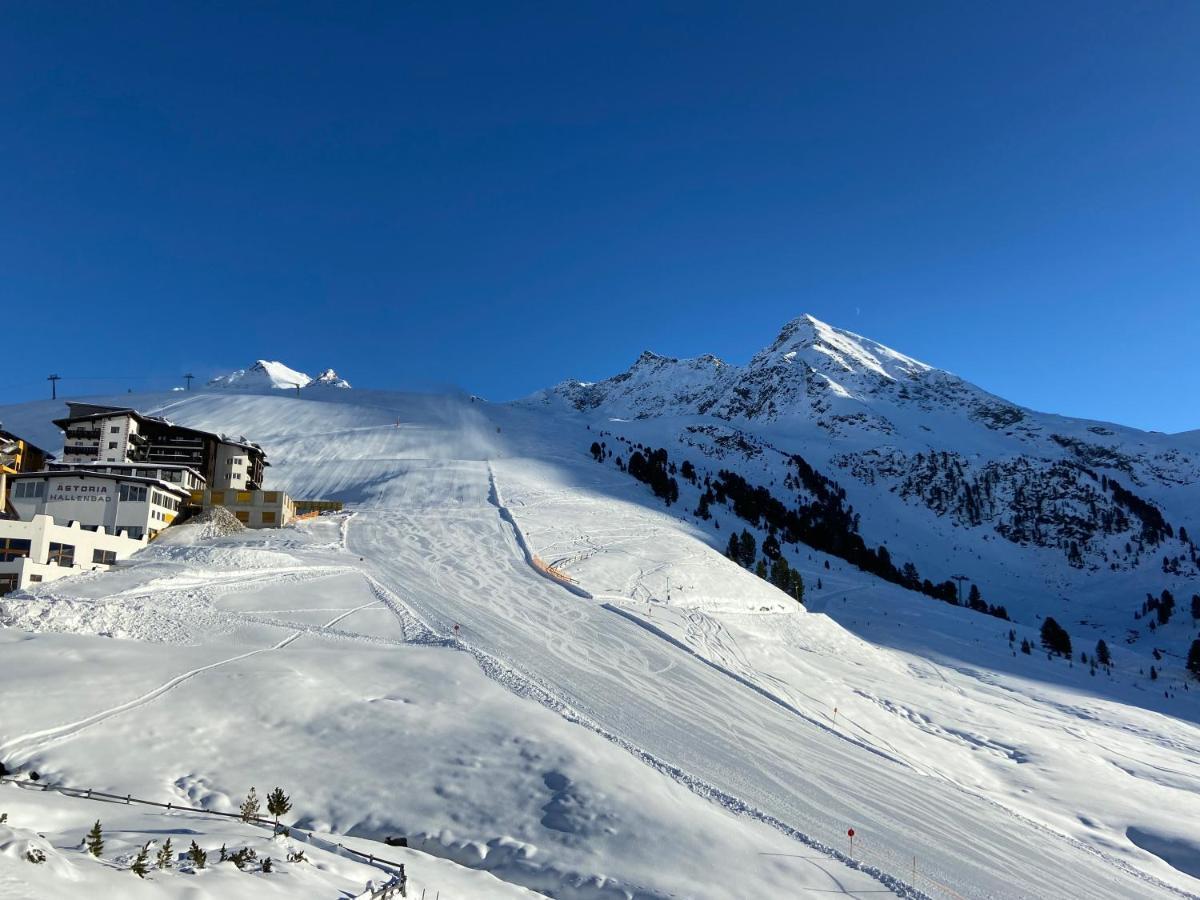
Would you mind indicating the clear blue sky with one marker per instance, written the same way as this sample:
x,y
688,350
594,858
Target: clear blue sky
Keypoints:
x,y
503,195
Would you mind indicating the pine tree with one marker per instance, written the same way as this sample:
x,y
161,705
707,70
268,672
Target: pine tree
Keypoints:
x,y
797,586
1153,674
278,804
747,549
198,856
1166,606
267,866
250,808
95,840
1102,655
1055,638
760,569
139,866
770,547
1025,647
734,550
224,853
1193,658
165,857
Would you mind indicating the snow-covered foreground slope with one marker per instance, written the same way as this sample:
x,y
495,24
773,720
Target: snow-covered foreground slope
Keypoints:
x,y
667,725
300,865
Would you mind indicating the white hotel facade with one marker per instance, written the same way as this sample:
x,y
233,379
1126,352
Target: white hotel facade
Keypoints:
x,y
76,519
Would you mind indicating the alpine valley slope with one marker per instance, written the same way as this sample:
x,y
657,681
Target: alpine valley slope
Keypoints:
x,y
667,725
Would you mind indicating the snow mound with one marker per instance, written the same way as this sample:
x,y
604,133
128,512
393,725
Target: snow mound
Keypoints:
x,y
20,846
214,522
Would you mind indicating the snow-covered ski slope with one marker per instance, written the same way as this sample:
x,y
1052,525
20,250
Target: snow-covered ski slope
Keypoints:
x,y
665,726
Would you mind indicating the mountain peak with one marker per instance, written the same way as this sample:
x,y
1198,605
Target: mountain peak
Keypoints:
x,y
330,378
266,374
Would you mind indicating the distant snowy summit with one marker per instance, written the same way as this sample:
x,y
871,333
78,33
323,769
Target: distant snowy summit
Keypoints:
x,y
809,369
273,375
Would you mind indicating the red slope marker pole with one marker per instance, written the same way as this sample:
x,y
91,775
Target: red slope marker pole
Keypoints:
x,y
850,834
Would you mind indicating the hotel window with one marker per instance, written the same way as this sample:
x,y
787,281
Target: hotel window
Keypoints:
x,y
35,578
63,554
104,557
131,492
13,548
244,497
112,445
116,429
218,497
268,517
271,496
243,516
28,489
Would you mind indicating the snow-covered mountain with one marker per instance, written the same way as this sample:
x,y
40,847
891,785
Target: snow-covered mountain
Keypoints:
x,y
942,473
329,378
273,375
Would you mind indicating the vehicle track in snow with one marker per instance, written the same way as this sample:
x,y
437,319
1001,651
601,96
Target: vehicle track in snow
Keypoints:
x,y
24,746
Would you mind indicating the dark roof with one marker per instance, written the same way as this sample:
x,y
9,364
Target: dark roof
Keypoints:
x,y
9,436
92,411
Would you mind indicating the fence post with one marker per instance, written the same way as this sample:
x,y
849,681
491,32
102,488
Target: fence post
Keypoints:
x,y
128,799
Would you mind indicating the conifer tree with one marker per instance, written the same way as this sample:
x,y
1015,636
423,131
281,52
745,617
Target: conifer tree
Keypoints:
x,y
1055,638
797,586
198,856
267,866
250,807
95,840
747,549
770,547
734,551
139,866
165,857
1193,658
278,804
1102,655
